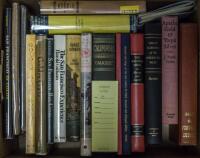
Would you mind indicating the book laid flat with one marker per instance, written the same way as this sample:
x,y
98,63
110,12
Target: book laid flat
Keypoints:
x,y
83,23
73,66
137,92
152,82
92,7
30,93
169,75
86,79
188,84
104,116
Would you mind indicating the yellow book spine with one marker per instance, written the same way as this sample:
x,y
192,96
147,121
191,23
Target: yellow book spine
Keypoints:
x,y
30,93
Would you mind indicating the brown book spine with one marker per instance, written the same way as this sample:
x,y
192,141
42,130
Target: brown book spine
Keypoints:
x,y
188,84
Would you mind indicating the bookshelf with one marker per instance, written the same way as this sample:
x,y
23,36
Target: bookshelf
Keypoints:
x,y
15,149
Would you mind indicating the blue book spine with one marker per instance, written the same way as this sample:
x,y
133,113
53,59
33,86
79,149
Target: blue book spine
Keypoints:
x,y
125,94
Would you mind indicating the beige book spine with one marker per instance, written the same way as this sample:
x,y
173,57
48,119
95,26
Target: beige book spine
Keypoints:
x,y
30,93
15,68
41,140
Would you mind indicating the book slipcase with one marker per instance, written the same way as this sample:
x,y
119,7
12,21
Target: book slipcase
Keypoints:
x,y
12,148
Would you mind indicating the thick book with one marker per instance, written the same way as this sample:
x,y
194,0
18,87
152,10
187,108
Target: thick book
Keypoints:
x,y
188,83
15,67
59,88
7,76
70,24
169,75
50,89
86,107
73,66
104,116
103,58
153,83
30,93
137,92
22,66
92,7
40,74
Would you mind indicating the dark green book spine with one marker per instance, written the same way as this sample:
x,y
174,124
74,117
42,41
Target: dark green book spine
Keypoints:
x,y
103,59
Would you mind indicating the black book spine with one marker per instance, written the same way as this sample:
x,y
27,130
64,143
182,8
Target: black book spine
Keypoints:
x,y
7,81
103,59
153,97
50,88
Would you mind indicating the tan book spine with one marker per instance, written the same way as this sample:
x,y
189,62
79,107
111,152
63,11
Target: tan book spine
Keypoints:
x,y
15,68
30,93
41,140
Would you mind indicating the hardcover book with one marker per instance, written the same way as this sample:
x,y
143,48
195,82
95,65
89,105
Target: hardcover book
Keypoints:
x,y
152,82
188,75
103,58
73,65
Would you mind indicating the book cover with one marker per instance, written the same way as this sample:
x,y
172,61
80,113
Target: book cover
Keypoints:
x,y
137,92
71,24
73,66
30,93
15,68
152,82
104,116
50,89
93,7
40,74
59,88
103,58
188,75
86,79
7,76
169,75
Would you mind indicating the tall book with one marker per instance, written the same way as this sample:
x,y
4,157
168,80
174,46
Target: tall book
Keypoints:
x,y
7,76
137,92
50,89
93,7
73,59
169,75
86,79
71,24
188,75
153,91
30,93
59,88
15,67
41,125
22,66
103,58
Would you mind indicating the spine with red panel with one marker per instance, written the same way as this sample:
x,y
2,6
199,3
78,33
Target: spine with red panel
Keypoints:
x,y
137,92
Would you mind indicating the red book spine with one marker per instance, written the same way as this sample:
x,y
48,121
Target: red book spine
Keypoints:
x,y
137,92
118,78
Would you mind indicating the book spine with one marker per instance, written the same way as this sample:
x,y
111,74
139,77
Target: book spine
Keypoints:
x,y
41,142
15,68
8,128
118,78
103,58
86,79
22,66
50,88
169,74
30,93
95,7
76,24
73,59
153,99
137,92
188,75
59,88
125,94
